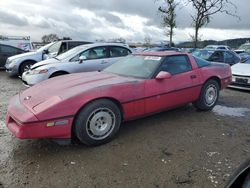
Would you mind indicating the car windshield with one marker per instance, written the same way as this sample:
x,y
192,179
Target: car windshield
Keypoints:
x,y
135,66
45,47
203,54
70,53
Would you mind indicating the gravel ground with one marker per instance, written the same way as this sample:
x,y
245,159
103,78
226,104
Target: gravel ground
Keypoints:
x,y
177,148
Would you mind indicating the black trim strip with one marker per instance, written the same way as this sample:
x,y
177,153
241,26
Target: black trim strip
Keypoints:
x,y
162,94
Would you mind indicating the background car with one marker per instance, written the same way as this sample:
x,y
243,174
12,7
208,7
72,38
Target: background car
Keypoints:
x,y
244,48
86,58
162,49
220,56
18,64
217,47
241,75
7,51
91,106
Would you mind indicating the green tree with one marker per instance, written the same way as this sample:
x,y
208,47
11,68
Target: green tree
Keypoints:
x,y
169,18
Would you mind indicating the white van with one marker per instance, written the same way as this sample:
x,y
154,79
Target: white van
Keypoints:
x,y
21,42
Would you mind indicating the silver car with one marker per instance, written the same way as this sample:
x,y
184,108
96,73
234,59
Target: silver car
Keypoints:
x,y
18,64
85,58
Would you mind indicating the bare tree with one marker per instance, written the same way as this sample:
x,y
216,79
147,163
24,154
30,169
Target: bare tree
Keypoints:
x,y
147,41
169,18
204,9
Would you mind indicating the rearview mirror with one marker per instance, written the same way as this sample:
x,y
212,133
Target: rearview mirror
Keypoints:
x,y
163,75
82,58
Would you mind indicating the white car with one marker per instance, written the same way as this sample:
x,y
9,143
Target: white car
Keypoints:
x,y
241,75
85,58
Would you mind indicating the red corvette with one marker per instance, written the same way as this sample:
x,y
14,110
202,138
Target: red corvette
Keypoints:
x,y
91,106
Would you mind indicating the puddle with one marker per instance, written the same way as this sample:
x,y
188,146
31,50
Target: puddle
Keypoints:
x,y
229,111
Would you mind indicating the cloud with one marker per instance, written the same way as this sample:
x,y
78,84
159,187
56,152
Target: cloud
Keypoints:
x,y
90,20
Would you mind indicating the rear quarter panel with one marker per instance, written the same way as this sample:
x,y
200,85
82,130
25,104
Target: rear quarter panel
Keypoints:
x,y
218,70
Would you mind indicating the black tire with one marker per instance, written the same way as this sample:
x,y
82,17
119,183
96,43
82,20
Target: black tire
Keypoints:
x,y
57,74
25,66
203,103
246,183
95,117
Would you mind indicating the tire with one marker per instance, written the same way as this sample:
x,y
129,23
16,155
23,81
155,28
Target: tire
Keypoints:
x,y
209,96
98,122
246,183
57,74
25,67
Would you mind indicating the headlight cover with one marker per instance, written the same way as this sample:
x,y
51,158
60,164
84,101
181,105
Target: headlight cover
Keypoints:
x,y
41,71
12,63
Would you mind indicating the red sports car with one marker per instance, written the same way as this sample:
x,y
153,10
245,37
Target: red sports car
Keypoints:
x,y
91,106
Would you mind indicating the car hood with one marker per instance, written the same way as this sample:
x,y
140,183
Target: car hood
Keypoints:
x,y
55,90
24,55
241,69
45,62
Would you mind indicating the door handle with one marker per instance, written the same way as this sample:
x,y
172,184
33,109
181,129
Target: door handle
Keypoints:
x,y
193,76
104,62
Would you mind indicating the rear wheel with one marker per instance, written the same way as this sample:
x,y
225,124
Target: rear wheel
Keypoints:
x,y
25,67
98,122
209,96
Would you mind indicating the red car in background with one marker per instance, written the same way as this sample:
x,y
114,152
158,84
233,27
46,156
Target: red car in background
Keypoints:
x,y
91,106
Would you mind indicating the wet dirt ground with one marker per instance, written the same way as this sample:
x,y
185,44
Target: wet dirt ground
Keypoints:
x,y
177,148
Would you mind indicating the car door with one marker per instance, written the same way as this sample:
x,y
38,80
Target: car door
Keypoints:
x,y
116,53
177,90
95,59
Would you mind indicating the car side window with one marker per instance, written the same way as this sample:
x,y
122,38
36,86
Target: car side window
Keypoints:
x,y
116,51
9,49
228,55
93,53
96,53
176,64
63,48
217,56
73,44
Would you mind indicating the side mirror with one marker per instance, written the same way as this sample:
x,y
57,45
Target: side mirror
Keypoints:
x,y
163,75
46,51
82,58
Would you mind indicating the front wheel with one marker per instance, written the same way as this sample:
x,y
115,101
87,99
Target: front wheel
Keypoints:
x,y
98,122
209,96
25,67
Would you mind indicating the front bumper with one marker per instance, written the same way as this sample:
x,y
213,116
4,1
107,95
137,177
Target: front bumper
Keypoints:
x,y
23,124
240,82
12,71
33,79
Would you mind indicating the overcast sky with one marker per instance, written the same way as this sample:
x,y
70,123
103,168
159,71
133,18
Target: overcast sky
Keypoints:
x,y
104,19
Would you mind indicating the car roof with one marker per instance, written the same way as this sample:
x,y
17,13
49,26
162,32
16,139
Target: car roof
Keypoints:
x,y
214,50
166,53
104,44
